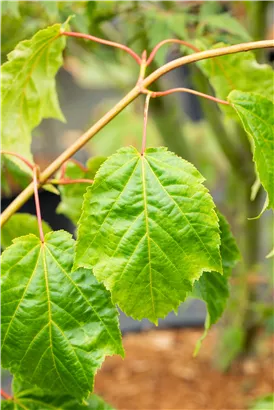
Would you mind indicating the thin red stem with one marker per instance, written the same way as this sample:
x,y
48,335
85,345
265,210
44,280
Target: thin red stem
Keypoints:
x,y
37,203
144,141
63,170
170,40
64,167
155,94
81,166
29,164
65,181
106,42
5,395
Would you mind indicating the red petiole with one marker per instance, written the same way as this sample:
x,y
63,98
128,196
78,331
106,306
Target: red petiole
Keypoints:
x,y
28,163
64,167
5,395
106,42
171,40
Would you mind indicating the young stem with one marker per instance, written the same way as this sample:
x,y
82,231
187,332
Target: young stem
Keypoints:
x,y
144,141
132,95
5,395
37,203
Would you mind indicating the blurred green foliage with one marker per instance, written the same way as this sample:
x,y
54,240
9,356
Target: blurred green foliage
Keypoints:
x,y
263,403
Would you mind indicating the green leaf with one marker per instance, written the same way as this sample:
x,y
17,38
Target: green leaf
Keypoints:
x,y
161,26
230,253
238,71
20,176
157,29
209,8
29,397
64,321
10,8
51,8
212,287
51,188
72,195
263,403
178,25
270,254
257,116
224,22
20,225
231,345
149,229
97,403
28,89
32,402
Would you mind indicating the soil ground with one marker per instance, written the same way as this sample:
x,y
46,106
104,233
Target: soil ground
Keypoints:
x,y
160,373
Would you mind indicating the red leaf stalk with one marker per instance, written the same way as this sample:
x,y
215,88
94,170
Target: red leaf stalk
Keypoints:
x,y
28,163
106,42
5,395
170,40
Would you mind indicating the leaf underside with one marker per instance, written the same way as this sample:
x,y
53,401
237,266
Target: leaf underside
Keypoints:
x,y
257,116
57,325
148,228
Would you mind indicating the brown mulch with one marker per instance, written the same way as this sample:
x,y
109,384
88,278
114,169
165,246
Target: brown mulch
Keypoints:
x,y
159,372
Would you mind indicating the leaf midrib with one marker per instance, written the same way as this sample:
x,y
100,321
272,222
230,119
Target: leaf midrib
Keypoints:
x,y
49,314
147,233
